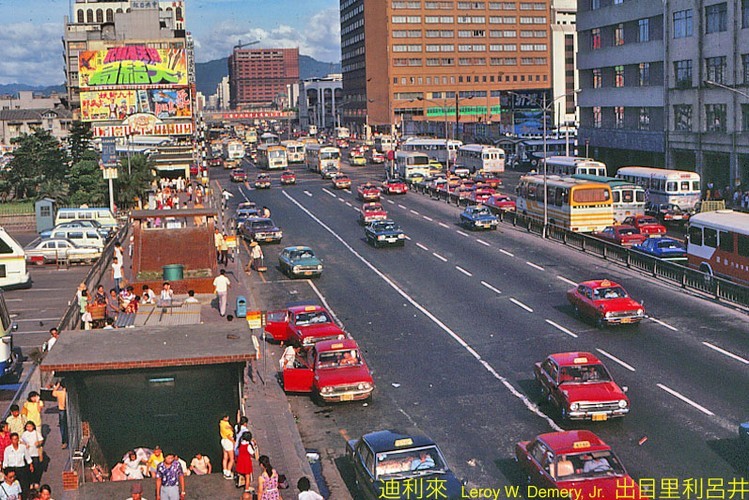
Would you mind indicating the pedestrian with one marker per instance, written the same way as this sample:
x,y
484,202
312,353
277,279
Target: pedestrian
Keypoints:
x,y
33,440
45,492
54,334
267,483
247,451
224,249
200,465
147,296
170,480
83,310
221,286
118,252
154,460
116,273
167,295
288,356
60,393
218,241
227,445
134,466
305,493
16,459
4,439
136,492
100,296
113,305
32,409
10,488
266,212
16,421
256,254
226,196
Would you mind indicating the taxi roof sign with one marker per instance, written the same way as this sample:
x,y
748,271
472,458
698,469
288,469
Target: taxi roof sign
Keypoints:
x,y
577,445
337,346
605,283
403,442
580,360
310,308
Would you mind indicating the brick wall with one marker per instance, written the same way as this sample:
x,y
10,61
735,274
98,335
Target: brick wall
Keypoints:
x,y
192,247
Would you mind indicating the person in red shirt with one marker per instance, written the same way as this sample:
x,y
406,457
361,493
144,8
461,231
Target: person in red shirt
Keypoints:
x,y
4,438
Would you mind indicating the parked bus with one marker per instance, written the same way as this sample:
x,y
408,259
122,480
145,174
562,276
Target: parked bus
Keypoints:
x,y
321,156
270,139
573,205
271,157
480,157
718,244
531,151
629,198
233,150
8,358
384,143
409,165
294,151
663,186
13,273
435,149
573,165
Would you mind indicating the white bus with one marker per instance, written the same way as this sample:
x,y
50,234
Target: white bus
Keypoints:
x,y
629,198
411,165
665,186
233,150
294,151
718,244
322,156
268,138
272,157
480,157
435,149
573,165
342,133
13,273
384,143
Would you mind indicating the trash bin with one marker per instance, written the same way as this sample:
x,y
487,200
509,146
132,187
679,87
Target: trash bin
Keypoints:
x,y
241,307
173,272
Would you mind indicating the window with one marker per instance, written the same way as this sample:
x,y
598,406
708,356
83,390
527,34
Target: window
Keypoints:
x,y
743,245
711,237
80,16
683,117
745,13
644,34
725,241
619,76
683,73
745,117
745,67
595,4
644,73
683,23
595,38
716,18
695,236
716,69
715,117
597,78
618,116
644,121
619,34
596,116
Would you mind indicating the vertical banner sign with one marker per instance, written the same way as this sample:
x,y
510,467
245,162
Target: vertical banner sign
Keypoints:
x,y
108,151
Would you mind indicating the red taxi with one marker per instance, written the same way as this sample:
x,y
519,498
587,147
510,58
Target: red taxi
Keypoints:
x,y
262,181
372,211
581,387
394,186
578,464
623,235
489,179
648,225
464,192
481,195
605,302
216,161
288,177
501,202
238,175
376,157
368,192
341,181
303,325
332,370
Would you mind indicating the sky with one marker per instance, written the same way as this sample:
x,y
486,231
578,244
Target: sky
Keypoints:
x,y
31,32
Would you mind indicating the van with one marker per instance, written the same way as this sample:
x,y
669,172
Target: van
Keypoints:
x,y
80,236
13,273
100,214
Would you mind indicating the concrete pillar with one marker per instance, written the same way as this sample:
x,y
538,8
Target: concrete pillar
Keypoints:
x,y
333,108
321,105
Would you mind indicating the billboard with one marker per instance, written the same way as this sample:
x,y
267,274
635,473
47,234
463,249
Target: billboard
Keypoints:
x,y
109,105
132,65
144,126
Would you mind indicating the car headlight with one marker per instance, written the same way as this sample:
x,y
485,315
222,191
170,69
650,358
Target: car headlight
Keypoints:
x,y
326,390
609,314
401,236
380,237
364,386
308,340
319,267
622,403
640,312
296,269
574,406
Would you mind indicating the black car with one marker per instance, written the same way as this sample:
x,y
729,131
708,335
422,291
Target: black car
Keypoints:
x,y
387,461
667,213
384,232
261,230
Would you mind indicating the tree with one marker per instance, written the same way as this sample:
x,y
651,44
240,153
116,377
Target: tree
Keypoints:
x,y
133,185
87,184
38,158
80,141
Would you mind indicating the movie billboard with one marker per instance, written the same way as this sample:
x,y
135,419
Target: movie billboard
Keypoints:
x,y
132,65
118,105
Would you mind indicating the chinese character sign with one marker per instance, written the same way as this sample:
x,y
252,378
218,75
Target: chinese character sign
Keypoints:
x,y
111,105
132,65
171,103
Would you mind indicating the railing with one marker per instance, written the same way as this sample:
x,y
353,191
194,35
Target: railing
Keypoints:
x,y
720,289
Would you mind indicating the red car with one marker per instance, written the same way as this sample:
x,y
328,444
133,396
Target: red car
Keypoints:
x,y
288,177
394,186
332,370
238,175
577,463
606,303
490,179
481,195
303,325
341,181
648,225
262,181
501,202
216,162
368,192
376,157
371,212
622,235
581,387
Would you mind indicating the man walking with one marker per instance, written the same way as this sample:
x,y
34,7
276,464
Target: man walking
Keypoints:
x,y
116,274
61,394
221,286
218,241
170,479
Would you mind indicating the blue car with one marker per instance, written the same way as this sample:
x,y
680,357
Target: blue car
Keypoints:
x,y
478,217
664,248
384,232
299,262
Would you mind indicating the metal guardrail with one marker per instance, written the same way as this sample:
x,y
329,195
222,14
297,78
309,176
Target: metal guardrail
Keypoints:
x,y
720,289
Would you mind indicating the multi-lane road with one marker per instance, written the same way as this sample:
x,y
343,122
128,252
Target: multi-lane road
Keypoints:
x,y
452,323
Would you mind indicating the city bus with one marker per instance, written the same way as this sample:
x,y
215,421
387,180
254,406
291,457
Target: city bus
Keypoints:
x,y
342,133
321,156
664,187
233,150
13,273
435,149
411,165
294,151
629,198
718,244
271,157
250,136
480,157
8,358
384,143
572,204
531,151
574,165
270,139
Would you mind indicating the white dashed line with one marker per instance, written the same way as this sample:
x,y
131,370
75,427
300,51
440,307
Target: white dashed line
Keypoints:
x,y
414,212
520,304
686,400
407,237
562,329
348,191
672,328
506,252
308,193
444,225
568,281
487,285
439,257
723,351
349,204
391,202
330,193
534,266
463,234
617,360
356,209
485,243
428,218
402,206
422,247
341,199
463,271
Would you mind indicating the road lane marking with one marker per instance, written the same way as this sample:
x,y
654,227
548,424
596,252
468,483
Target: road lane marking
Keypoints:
x,y
414,212
428,218
506,252
241,191
325,302
348,191
487,285
672,328
562,329
407,237
485,243
531,406
391,202
422,247
520,304
444,225
349,204
356,208
568,281
535,266
463,233
617,360
727,353
686,400
308,193
439,257
402,206
463,271
330,193
341,199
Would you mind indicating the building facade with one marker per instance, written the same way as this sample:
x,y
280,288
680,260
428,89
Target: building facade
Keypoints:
x,y
258,76
16,122
564,76
320,101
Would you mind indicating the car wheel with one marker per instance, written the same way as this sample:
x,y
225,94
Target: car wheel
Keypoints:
x,y
577,312
599,322
565,415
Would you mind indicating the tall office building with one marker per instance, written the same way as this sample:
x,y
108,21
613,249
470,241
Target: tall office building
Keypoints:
x,y
258,77
409,60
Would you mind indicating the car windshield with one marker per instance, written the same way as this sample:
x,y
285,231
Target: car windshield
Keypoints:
x,y
647,221
302,254
612,292
627,230
582,374
409,463
670,244
386,226
262,224
376,207
339,359
588,466
311,318
481,211
329,156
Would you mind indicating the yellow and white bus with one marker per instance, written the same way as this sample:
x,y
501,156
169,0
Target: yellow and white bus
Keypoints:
x,y
322,156
13,273
294,151
233,150
664,187
480,157
572,204
574,165
271,157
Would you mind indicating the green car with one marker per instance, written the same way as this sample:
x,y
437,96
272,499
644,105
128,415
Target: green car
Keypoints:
x,y
299,262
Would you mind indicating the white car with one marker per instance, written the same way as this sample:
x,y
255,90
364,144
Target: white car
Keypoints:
x,y
54,249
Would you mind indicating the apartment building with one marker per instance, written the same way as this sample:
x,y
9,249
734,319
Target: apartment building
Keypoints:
x,y
258,77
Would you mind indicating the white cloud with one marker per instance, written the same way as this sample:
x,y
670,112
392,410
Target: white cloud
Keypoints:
x,y
32,53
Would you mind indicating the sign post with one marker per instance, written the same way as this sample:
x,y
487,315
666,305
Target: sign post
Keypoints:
x,y
257,320
109,165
